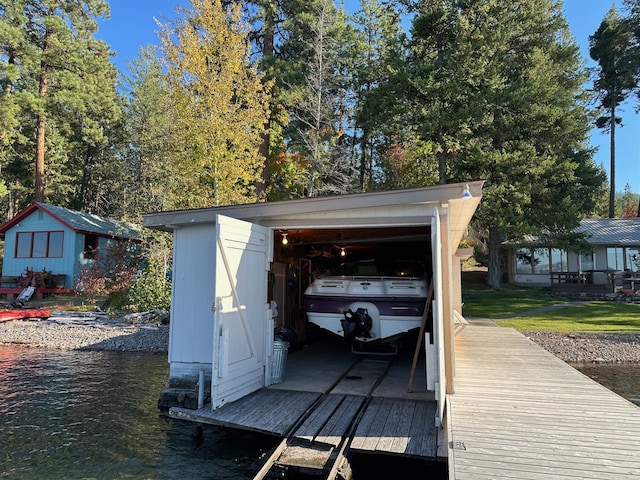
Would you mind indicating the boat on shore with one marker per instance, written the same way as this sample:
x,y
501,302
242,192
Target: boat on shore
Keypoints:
x,y
366,308
20,313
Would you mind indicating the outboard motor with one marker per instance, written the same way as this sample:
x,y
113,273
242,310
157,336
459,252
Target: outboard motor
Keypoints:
x,y
356,325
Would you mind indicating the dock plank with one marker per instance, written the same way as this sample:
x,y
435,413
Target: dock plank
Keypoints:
x,y
266,411
518,412
376,427
336,428
390,429
312,425
400,440
357,443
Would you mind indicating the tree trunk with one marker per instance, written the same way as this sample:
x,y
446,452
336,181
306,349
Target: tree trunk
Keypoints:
x,y
612,167
7,91
40,149
494,276
41,125
265,146
442,168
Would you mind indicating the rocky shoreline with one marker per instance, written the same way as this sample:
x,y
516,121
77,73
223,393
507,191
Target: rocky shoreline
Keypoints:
x,y
146,332
149,332
589,347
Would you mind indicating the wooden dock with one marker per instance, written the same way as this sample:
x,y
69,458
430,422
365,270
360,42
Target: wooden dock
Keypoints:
x,y
332,404
518,412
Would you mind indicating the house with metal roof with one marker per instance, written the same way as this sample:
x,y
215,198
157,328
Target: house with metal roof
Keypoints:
x,y
51,243
613,264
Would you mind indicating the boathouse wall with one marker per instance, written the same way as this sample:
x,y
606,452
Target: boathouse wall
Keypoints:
x,y
191,326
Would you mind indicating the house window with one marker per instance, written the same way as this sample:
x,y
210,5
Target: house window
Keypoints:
x,y
525,262
39,244
586,262
633,259
559,260
623,258
540,260
90,245
615,258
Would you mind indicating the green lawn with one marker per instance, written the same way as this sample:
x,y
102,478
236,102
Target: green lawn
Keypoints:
x,y
482,301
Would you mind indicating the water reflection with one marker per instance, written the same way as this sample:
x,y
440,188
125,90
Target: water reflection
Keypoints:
x,y
67,415
94,415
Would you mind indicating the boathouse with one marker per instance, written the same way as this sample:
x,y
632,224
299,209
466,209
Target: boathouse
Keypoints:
x,y
239,272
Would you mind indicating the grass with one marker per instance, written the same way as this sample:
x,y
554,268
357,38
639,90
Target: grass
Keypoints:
x,y
595,317
482,301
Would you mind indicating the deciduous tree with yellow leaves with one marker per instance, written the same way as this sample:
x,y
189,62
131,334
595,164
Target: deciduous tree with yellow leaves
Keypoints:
x,y
221,104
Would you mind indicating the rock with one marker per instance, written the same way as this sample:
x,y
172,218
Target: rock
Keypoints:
x,y
85,331
590,347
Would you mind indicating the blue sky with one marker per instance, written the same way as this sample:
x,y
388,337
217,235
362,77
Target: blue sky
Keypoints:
x,y
132,25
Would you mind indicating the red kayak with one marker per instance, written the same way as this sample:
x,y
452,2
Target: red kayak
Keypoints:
x,y
18,313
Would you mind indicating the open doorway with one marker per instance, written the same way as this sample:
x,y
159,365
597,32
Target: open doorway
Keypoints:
x,y
302,256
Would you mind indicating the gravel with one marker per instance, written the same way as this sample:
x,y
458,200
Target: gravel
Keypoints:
x,y
146,332
589,347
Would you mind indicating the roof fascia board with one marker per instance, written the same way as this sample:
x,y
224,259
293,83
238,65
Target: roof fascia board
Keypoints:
x,y
27,212
272,211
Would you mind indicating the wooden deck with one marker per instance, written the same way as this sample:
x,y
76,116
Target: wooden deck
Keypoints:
x,y
518,412
333,402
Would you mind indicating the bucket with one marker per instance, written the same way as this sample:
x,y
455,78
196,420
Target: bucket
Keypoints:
x,y
279,360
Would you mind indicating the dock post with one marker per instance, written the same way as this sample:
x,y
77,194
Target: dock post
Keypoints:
x,y
201,390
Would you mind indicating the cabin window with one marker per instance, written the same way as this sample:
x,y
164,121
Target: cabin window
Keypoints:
x,y
623,258
540,260
633,259
559,260
615,258
90,246
543,261
586,262
39,244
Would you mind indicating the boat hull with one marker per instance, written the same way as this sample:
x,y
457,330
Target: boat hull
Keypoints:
x,y
8,315
394,305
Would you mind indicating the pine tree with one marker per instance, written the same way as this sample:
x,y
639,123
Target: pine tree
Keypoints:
x,y
611,46
313,71
58,88
152,146
381,132
498,94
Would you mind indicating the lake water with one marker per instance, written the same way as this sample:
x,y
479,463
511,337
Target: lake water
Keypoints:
x,y
94,415
622,379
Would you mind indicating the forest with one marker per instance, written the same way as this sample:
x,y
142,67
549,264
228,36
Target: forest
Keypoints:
x,y
265,100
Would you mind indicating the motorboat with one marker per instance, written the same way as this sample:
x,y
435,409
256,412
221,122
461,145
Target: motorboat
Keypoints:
x,y
366,308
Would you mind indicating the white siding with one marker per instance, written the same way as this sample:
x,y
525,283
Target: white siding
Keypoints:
x,y
191,334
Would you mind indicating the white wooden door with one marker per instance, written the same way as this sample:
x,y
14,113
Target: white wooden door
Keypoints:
x,y
438,321
241,314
